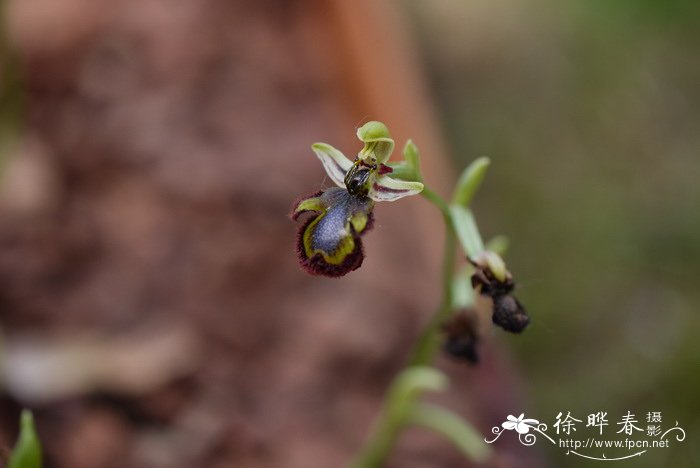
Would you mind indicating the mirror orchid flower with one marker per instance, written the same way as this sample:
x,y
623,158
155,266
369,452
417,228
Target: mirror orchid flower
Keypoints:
x,y
329,242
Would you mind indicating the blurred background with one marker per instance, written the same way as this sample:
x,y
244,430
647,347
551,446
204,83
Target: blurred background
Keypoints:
x,y
152,312
589,110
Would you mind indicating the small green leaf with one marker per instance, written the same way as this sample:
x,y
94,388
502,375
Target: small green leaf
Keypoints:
x,y
378,143
400,400
27,451
470,180
498,244
412,155
413,381
467,231
455,429
407,387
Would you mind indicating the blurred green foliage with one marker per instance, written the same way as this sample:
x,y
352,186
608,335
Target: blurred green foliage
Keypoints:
x,y
27,451
11,95
590,111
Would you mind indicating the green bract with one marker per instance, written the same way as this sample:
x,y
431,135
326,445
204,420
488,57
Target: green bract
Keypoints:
x,y
470,180
467,232
412,156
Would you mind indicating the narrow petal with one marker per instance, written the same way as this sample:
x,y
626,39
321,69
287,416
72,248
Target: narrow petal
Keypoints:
x,y
387,189
334,162
329,244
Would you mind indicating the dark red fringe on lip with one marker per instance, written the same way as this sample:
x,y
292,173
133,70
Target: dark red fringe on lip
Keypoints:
x,y
316,265
294,215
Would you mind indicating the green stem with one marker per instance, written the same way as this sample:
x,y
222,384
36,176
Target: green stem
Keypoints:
x,y
391,420
380,443
428,342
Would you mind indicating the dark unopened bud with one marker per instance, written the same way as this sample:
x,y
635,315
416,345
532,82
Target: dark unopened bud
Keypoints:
x,y
509,313
461,338
462,347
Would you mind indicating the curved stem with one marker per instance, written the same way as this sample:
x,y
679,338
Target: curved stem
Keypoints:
x,y
441,204
390,421
428,342
381,441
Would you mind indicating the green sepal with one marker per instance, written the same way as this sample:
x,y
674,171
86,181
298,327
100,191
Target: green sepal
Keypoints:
x,y
378,143
404,171
412,157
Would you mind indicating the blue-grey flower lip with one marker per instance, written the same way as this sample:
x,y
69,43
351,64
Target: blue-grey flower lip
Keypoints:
x,y
329,243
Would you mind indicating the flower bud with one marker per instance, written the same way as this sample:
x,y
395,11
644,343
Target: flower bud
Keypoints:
x,y
461,336
509,314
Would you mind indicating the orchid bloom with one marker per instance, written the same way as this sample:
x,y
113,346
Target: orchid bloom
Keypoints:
x,y
329,243
522,426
